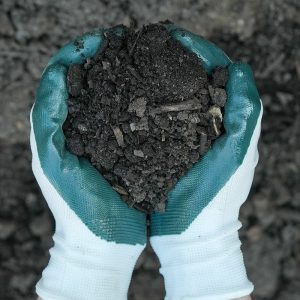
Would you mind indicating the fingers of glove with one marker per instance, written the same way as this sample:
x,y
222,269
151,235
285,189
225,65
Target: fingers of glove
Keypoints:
x,y
76,51
242,110
78,183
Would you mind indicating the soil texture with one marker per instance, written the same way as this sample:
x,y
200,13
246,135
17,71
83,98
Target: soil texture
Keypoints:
x,y
143,111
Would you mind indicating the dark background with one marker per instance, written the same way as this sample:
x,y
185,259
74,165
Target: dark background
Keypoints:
x,y
265,34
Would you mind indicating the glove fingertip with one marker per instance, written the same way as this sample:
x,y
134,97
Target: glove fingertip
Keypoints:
x,y
76,51
241,84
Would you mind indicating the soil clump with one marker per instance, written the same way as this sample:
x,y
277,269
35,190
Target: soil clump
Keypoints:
x,y
143,110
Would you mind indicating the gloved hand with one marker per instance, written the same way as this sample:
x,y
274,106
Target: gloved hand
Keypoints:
x,y
196,239
97,237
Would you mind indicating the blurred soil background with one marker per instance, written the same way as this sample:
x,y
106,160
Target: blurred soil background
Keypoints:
x,y
264,33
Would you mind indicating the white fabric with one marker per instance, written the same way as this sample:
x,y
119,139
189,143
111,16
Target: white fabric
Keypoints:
x,y
205,261
82,266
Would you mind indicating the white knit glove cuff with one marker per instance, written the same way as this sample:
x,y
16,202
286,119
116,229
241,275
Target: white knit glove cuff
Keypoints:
x,y
76,273
205,269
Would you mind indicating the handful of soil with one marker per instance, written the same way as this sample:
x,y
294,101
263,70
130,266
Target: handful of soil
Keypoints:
x,y
143,111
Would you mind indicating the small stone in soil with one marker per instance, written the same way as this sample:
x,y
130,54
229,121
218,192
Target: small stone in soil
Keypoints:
x,y
218,96
138,106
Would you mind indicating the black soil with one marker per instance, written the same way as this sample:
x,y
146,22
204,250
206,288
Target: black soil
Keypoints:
x,y
143,111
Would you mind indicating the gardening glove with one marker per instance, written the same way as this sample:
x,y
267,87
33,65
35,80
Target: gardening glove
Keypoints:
x,y
196,238
97,238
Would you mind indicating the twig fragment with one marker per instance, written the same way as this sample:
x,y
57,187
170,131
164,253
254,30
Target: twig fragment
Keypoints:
x,y
120,190
193,104
119,136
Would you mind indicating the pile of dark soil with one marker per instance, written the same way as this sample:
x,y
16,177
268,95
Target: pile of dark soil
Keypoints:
x,y
143,111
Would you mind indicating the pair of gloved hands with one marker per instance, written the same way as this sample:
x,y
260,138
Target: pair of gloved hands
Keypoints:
x,y
98,238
